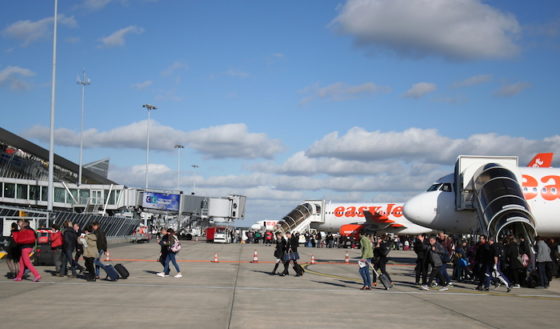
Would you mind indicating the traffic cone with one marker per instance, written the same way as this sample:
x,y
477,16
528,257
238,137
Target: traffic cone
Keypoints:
x,y
215,258
255,257
107,256
347,258
313,259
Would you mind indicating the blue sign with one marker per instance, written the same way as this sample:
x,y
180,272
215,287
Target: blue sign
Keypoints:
x,y
161,201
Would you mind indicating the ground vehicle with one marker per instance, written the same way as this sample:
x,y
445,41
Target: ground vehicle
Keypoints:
x,y
217,234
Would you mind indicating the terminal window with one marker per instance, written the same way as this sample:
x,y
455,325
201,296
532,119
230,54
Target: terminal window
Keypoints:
x,y
9,190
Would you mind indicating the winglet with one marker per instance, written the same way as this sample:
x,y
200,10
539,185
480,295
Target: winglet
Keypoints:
x,y
542,160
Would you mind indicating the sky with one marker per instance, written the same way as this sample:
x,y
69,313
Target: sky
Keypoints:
x,y
286,101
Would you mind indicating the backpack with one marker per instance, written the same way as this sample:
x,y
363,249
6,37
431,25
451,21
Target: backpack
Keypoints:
x,y
176,247
445,258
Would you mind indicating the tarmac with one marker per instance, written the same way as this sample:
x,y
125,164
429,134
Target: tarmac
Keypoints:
x,y
235,293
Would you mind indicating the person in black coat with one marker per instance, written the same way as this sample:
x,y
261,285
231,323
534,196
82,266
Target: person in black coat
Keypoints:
x,y
421,248
380,255
291,254
279,251
101,246
69,242
514,267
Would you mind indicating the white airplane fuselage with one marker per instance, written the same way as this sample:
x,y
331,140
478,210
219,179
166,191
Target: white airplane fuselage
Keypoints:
x,y
436,208
391,215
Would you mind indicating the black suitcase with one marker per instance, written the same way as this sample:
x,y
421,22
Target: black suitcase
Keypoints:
x,y
299,270
123,272
112,274
382,277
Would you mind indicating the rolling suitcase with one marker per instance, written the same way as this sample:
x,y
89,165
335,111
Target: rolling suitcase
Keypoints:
x,y
123,272
299,270
112,274
382,277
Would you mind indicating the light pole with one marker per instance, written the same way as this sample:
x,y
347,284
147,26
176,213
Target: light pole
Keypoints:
x,y
148,108
84,81
179,147
50,189
194,181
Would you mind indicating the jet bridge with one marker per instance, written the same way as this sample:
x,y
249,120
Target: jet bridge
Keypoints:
x,y
490,186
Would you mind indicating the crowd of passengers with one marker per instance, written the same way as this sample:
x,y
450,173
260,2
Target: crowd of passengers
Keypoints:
x,y
512,262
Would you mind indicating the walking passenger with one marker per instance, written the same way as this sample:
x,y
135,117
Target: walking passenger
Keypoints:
x,y
485,261
69,242
291,254
25,240
421,248
544,262
101,246
56,246
164,250
89,244
434,257
171,255
497,253
14,253
364,263
79,248
514,261
380,254
279,251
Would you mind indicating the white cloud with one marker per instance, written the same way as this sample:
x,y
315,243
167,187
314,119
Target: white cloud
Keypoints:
x,y
340,91
142,85
29,31
472,81
174,67
420,89
95,4
237,73
453,29
225,141
424,145
512,89
117,38
11,76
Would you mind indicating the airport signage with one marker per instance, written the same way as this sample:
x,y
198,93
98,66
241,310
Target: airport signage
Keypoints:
x,y
161,201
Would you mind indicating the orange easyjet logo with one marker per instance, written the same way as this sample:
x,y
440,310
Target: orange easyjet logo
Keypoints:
x,y
352,211
549,192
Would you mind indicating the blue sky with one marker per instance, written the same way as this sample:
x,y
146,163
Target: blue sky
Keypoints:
x,y
287,100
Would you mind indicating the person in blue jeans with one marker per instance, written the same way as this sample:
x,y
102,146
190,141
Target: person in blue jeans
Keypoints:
x,y
170,257
367,254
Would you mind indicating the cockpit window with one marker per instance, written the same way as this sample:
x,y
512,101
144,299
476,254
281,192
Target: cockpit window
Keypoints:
x,y
446,187
434,187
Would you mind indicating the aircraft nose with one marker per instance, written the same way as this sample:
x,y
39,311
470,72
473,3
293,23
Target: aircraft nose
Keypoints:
x,y
421,209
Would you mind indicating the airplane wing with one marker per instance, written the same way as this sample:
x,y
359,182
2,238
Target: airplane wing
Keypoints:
x,y
541,160
376,222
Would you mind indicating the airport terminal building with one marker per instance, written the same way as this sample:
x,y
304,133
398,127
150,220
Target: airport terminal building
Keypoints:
x,y
24,187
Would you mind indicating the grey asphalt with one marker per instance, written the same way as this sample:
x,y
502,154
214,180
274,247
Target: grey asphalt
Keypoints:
x,y
235,293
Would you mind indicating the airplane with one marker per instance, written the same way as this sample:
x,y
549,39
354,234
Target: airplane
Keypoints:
x,y
352,218
494,196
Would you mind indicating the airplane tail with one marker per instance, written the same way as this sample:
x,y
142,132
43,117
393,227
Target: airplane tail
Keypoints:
x,y
542,160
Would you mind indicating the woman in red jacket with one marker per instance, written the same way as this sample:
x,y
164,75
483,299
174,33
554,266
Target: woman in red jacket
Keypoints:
x,y
25,240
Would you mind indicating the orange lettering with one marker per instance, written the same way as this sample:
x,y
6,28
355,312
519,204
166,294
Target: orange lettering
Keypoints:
x,y
339,211
361,211
398,211
530,185
350,212
551,192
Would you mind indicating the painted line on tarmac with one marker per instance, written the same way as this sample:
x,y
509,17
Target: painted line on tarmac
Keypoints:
x,y
235,261
455,291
